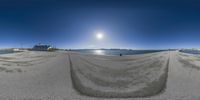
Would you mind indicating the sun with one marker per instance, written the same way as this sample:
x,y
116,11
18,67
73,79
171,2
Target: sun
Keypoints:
x,y
99,36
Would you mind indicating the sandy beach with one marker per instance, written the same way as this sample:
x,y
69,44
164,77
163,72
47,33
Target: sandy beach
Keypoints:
x,y
168,75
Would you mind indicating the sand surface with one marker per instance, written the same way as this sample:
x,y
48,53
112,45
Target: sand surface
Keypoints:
x,y
48,76
122,77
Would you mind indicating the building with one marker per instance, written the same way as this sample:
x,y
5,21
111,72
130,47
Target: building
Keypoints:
x,y
42,47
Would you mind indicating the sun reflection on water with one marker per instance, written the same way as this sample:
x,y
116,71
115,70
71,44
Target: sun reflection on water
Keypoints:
x,y
99,52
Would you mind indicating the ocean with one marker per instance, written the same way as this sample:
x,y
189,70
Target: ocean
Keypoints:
x,y
115,51
6,51
190,51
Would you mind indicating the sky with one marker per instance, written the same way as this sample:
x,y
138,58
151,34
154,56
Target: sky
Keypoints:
x,y
132,24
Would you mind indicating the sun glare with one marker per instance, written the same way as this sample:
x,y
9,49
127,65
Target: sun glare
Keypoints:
x,y
99,52
99,36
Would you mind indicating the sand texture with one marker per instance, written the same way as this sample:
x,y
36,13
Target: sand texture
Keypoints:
x,y
117,76
62,75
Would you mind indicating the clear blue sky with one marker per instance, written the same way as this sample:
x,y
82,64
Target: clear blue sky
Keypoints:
x,y
137,24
